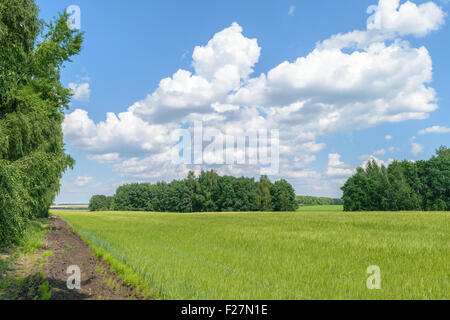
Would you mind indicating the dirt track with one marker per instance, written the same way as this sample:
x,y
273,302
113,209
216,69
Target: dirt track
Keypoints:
x,y
65,248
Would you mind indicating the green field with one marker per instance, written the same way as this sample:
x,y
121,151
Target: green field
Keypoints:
x,y
275,255
321,208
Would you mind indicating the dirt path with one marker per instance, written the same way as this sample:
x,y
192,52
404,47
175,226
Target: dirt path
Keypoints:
x,y
64,248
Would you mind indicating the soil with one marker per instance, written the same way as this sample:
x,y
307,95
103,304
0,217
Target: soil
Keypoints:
x,y
65,248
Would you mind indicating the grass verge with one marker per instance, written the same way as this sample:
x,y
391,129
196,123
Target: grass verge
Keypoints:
x,y
20,274
120,269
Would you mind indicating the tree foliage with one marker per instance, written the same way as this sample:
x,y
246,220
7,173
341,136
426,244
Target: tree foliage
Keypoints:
x,y
318,201
208,192
32,100
283,196
101,203
421,185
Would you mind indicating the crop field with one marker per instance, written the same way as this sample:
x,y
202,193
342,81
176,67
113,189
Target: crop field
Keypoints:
x,y
303,255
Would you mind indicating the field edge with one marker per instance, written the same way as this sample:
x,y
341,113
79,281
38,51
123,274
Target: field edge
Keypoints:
x,y
122,270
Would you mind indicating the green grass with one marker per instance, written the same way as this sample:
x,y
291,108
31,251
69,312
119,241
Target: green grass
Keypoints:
x,y
33,237
325,208
32,241
317,255
45,292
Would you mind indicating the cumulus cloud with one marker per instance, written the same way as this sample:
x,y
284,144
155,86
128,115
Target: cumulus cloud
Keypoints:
x,y
81,91
220,67
227,48
388,137
349,81
435,129
123,134
405,19
416,149
156,166
337,168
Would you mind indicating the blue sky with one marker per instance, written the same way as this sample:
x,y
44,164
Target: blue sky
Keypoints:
x,y
334,107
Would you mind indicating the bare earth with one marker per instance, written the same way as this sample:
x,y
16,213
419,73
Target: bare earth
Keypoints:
x,y
67,248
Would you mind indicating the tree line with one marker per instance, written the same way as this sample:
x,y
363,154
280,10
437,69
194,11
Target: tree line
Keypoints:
x,y
207,192
406,185
317,201
32,100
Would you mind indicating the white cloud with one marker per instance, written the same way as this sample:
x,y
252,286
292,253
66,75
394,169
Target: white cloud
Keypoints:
x,y
81,91
73,193
184,55
337,168
291,10
405,19
369,158
220,67
104,158
347,82
339,172
228,48
123,134
381,84
435,129
416,149
301,174
83,180
340,181
157,166
388,137
221,108
380,152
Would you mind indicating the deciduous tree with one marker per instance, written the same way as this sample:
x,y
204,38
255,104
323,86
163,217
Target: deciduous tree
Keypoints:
x,y
32,100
